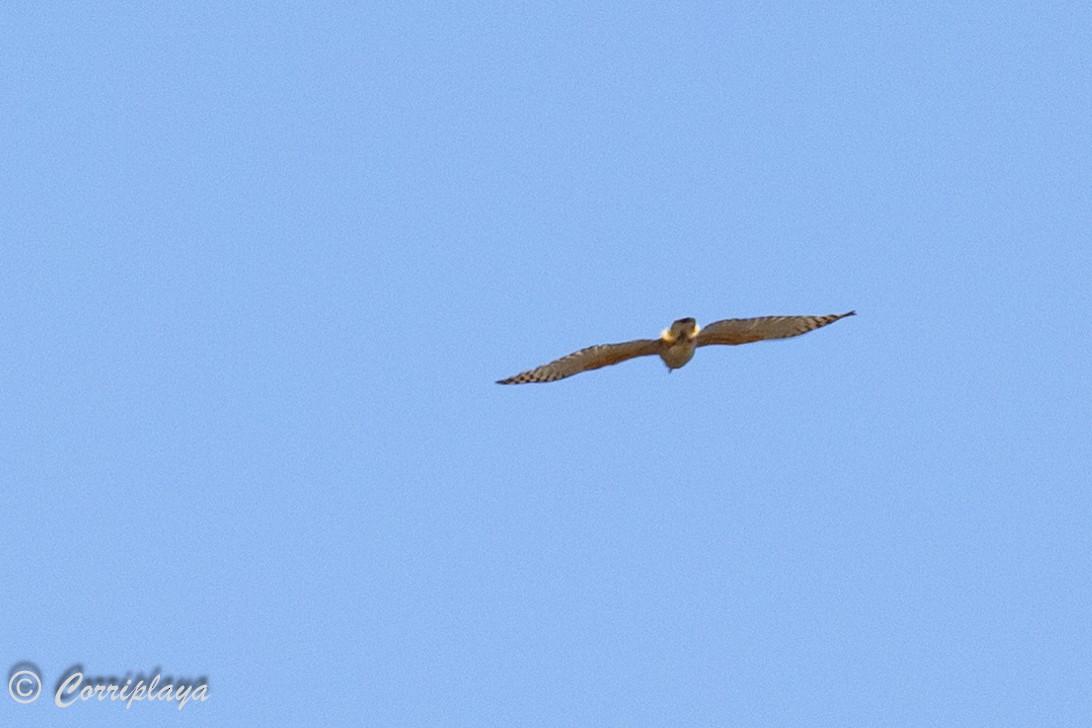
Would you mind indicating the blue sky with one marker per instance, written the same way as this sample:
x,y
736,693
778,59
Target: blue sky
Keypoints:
x,y
262,263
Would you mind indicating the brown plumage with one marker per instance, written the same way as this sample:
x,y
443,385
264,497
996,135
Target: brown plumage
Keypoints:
x,y
676,344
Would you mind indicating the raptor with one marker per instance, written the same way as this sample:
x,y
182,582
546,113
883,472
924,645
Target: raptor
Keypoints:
x,y
676,344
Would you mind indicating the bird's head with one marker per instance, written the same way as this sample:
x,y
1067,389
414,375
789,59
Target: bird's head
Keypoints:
x,y
685,329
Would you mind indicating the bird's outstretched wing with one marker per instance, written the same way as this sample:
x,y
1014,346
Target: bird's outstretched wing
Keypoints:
x,y
744,331
584,360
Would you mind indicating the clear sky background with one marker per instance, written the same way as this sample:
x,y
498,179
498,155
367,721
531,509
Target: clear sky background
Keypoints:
x,y
260,265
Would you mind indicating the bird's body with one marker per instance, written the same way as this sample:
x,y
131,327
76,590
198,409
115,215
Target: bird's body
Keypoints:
x,y
679,342
676,344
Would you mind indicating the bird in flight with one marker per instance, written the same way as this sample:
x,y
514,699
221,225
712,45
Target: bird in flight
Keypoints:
x,y
676,344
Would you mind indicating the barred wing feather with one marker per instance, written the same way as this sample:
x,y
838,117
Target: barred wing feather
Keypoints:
x,y
744,331
585,360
